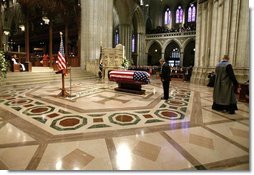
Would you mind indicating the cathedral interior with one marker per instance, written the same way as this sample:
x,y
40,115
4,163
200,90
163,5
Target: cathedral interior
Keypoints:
x,y
79,119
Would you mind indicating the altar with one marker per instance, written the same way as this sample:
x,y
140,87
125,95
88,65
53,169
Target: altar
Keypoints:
x,y
112,59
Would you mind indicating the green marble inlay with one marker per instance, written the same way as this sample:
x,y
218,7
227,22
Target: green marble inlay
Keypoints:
x,y
173,107
134,122
40,119
142,112
183,109
1,101
99,126
17,108
153,121
83,122
96,115
7,103
187,100
38,103
163,106
63,112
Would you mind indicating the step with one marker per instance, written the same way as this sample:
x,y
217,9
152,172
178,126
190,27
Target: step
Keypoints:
x,y
30,78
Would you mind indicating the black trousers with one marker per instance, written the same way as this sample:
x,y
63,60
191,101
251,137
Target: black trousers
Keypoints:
x,y
166,89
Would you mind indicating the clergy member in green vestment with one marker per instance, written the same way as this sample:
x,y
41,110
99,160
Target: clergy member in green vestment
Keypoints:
x,y
225,87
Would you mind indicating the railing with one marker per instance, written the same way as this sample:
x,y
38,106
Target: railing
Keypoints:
x,y
171,34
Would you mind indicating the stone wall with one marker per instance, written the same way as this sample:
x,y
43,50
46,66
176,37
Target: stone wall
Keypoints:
x,y
222,29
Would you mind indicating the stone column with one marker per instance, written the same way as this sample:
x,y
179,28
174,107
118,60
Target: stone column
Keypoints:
x,y
163,55
213,60
96,30
198,38
141,59
125,38
219,35
239,40
222,28
203,46
181,57
208,34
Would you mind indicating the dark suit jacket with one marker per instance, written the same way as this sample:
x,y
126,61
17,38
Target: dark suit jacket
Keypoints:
x,y
165,72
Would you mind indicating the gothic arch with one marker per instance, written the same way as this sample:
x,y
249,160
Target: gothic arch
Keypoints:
x,y
168,42
154,54
115,18
189,53
187,42
172,52
150,43
139,41
149,26
138,15
123,7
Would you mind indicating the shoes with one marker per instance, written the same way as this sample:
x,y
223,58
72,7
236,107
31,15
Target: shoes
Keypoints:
x,y
231,112
164,98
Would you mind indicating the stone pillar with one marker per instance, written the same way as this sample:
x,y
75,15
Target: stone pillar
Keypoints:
x,y
96,30
163,55
222,28
239,46
141,49
214,59
208,34
219,36
181,57
198,38
125,38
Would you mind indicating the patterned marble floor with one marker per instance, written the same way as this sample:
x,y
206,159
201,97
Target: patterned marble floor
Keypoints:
x,y
98,128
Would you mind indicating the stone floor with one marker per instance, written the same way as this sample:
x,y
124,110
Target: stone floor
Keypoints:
x,y
98,128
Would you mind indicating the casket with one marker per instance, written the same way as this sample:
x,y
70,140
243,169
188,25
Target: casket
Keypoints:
x,y
130,80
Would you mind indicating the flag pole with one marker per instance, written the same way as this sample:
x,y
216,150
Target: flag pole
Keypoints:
x,y
63,92
70,81
70,95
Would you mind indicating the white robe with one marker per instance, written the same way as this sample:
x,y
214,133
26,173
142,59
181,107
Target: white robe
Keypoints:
x,y
15,62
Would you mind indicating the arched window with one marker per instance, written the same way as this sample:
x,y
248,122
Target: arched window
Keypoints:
x,y
116,37
192,13
179,15
133,44
167,16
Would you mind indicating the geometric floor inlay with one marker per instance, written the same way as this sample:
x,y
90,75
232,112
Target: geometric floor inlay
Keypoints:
x,y
147,150
239,132
201,141
76,158
103,129
82,115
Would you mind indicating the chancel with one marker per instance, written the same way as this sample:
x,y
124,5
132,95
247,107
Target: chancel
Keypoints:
x,y
110,114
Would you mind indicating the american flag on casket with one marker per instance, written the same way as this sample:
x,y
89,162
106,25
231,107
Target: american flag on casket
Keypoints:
x,y
130,76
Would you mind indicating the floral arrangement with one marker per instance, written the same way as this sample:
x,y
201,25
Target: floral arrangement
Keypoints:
x,y
126,63
3,65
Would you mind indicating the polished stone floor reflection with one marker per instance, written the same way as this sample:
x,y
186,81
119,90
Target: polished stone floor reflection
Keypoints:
x,y
98,128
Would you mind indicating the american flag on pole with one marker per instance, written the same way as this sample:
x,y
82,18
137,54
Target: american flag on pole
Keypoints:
x,y
61,63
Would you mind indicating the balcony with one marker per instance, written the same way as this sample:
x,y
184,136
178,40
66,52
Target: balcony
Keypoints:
x,y
171,35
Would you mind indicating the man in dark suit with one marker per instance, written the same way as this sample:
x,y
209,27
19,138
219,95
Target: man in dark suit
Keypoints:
x,y
165,78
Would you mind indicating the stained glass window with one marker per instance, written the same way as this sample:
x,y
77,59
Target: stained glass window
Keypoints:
x,y
116,37
179,15
192,13
167,16
133,43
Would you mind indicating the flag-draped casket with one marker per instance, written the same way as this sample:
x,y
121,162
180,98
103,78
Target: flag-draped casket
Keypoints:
x,y
129,80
